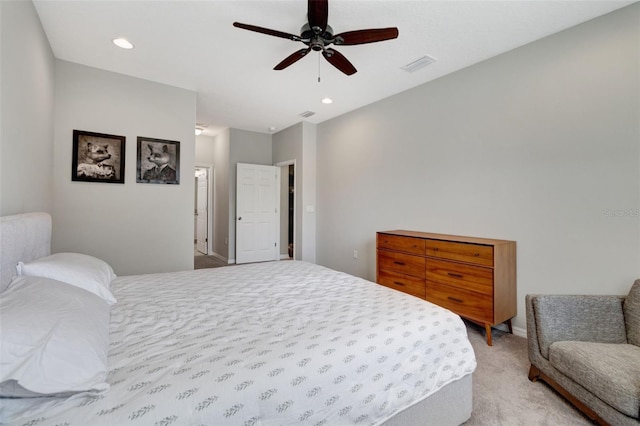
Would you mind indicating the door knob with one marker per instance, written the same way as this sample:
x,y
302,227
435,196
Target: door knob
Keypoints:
x,y
240,218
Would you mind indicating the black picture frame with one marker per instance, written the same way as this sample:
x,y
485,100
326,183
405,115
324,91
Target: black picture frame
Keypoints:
x,y
97,157
158,161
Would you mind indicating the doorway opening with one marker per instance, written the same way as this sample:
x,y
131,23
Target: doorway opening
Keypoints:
x,y
203,210
287,209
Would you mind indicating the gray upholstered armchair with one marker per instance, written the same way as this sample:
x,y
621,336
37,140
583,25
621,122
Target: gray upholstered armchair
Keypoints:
x,y
588,349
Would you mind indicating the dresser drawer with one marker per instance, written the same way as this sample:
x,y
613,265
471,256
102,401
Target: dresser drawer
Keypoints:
x,y
401,282
401,263
460,275
464,252
403,244
475,306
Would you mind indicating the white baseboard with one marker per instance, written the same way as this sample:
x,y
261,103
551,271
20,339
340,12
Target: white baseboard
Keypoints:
x,y
284,256
517,331
520,332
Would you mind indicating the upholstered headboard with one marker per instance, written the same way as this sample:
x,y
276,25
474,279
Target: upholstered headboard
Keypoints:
x,y
23,237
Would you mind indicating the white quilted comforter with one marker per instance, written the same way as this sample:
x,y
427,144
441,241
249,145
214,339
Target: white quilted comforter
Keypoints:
x,y
279,343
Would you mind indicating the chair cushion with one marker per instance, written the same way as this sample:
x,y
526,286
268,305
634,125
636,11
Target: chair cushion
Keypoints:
x,y
580,318
608,370
632,314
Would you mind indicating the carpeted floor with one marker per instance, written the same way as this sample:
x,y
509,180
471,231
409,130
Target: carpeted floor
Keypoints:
x,y
502,393
202,261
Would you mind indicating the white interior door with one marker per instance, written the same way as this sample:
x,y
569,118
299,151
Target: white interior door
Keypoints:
x,y
257,217
202,211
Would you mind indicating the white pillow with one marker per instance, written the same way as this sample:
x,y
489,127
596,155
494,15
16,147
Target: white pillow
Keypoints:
x,y
55,339
81,270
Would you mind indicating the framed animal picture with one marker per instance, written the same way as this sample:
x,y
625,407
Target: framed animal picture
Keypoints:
x,y
158,161
97,157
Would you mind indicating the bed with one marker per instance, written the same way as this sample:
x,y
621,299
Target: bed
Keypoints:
x,y
275,343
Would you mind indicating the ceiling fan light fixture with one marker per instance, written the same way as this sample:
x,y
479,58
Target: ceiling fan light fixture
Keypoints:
x,y
199,131
122,43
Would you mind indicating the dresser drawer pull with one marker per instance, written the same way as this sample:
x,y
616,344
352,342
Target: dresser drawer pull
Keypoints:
x,y
399,263
398,283
451,274
455,299
476,254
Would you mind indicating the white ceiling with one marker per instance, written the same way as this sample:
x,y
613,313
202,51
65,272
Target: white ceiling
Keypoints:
x,y
193,45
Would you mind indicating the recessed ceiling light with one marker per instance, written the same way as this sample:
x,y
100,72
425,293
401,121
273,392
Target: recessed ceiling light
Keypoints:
x,y
272,129
123,43
327,101
199,131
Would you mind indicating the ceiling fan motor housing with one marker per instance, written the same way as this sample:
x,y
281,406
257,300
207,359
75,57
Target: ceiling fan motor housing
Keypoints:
x,y
315,37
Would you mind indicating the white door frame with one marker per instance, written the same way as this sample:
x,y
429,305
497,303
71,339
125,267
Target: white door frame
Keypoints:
x,y
210,207
295,199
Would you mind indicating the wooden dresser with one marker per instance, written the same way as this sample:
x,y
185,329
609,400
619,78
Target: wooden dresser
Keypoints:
x,y
473,277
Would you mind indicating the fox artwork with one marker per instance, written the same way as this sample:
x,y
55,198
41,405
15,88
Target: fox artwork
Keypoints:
x,y
158,161
97,157
162,169
93,164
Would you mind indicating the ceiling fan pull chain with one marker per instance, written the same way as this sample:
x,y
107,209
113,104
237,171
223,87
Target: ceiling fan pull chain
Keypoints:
x,y
318,68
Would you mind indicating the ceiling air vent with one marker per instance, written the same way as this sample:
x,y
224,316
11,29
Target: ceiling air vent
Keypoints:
x,y
418,64
307,114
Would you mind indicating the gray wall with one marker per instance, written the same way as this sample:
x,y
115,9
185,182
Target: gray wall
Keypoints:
x,y
136,227
26,105
540,145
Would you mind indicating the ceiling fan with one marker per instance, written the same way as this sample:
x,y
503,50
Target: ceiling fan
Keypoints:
x,y
318,35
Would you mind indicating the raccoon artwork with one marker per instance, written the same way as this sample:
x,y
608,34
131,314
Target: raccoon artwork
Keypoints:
x,y
93,165
161,158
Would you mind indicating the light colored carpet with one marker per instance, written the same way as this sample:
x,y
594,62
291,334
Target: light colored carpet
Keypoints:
x,y
502,393
203,261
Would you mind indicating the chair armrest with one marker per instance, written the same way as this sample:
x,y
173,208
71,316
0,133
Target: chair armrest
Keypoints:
x,y
575,317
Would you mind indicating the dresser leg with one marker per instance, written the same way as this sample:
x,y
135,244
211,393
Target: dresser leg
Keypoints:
x,y
510,326
487,329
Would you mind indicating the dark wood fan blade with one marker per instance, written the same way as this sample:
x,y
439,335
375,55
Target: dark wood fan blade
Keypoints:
x,y
365,36
336,59
295,57
318,13
267,31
